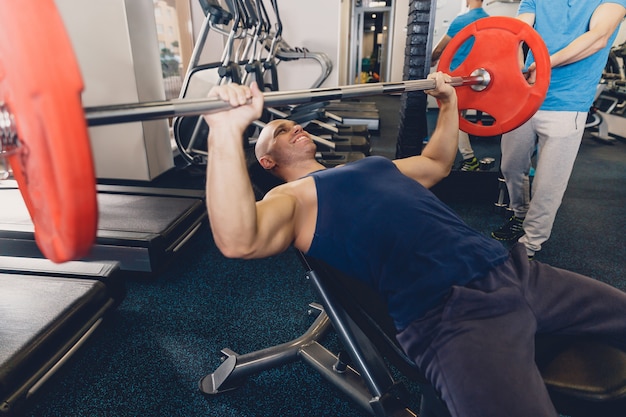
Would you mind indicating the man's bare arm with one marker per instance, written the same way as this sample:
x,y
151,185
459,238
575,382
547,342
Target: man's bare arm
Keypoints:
x,y
240,229
604,21
439,49
437,158
606,18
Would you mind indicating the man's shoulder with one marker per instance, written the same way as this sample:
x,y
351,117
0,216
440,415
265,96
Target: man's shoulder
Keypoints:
x,y
477,13
290,188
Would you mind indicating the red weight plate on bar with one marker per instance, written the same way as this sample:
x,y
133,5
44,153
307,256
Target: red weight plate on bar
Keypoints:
x,y
41,85
508,98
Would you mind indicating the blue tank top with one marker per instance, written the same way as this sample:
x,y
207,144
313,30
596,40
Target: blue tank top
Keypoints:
x,y
382,227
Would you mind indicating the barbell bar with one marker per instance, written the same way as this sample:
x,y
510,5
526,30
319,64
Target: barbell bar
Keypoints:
x,y
134,112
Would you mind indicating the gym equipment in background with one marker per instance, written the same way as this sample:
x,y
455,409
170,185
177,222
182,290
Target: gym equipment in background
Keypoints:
x,y
140,227
54,309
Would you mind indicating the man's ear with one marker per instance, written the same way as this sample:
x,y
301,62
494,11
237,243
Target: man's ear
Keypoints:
x,y
267,163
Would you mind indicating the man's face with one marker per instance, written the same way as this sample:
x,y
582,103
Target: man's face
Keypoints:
x,y
285,141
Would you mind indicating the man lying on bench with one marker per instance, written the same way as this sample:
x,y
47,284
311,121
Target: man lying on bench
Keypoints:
x,y
466,310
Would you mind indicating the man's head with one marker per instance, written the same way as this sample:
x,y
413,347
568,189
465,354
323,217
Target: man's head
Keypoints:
x,y
282,144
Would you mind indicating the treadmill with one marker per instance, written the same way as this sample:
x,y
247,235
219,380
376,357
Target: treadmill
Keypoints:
x,y
47,312
142,228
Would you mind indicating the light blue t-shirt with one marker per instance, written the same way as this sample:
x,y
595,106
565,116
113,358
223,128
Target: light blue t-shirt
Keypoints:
x,y
559,22
456,26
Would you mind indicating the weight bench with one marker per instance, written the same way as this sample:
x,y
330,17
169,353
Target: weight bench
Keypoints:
x,y
48,312
584,378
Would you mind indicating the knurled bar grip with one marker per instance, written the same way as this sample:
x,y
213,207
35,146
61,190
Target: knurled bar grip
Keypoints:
x,y
123,113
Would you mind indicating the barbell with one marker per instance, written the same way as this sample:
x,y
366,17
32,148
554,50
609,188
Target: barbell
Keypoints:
x,y
43,126
134,112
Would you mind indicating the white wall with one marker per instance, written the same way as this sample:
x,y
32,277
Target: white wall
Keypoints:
x,y
501,8
344,42
317,26
398,42
115,42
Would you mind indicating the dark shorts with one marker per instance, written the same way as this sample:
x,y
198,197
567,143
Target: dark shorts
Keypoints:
x,y
478,348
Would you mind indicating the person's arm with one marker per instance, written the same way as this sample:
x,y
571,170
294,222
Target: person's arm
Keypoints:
x,y
437,158
605,19
242,228
439,49
528,18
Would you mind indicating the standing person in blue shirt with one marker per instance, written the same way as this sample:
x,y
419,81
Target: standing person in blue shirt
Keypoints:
x,y
476,11
579,35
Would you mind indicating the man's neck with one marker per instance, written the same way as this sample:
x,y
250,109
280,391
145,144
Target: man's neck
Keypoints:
x,y
475,5
301,170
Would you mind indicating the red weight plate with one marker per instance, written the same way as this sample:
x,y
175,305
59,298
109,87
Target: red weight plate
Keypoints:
x,y
508,98
41,84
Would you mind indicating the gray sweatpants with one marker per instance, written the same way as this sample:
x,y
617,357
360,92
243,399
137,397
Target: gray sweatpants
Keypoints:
x,y
478,349
556,135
